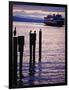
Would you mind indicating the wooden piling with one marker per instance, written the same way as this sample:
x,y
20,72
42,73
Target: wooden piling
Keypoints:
x,y
15,62
34,45
40,45
40,50
21,50
30,62
32,53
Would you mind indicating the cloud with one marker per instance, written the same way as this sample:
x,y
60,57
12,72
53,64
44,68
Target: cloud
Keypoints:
x,y
36,12
17,10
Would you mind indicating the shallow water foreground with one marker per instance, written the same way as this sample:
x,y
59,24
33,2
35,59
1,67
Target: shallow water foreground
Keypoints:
x,y
51,70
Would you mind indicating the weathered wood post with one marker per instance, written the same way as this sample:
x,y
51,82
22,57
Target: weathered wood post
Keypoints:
x,y
34,45
40,45
40,50
21,50
14,59
32,53
15,31
30,62
15,62
32,57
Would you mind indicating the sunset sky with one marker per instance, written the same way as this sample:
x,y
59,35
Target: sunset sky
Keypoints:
x,y
37,11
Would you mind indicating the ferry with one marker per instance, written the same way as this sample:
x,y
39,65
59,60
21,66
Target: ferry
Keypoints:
x,y
54,20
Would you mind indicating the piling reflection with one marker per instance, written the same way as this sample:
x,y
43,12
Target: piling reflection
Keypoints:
x,y
40,71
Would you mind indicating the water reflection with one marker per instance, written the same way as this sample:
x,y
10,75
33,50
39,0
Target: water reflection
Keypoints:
x,y
40,70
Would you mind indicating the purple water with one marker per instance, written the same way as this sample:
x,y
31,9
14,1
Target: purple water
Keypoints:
x,y
52,67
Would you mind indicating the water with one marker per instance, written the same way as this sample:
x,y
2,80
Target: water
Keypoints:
x,y
52,67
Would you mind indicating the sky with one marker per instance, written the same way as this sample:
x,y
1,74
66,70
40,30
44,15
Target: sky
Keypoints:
x,y
36,11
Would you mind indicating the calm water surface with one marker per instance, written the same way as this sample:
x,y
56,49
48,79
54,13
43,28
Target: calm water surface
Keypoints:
x,y
52,67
